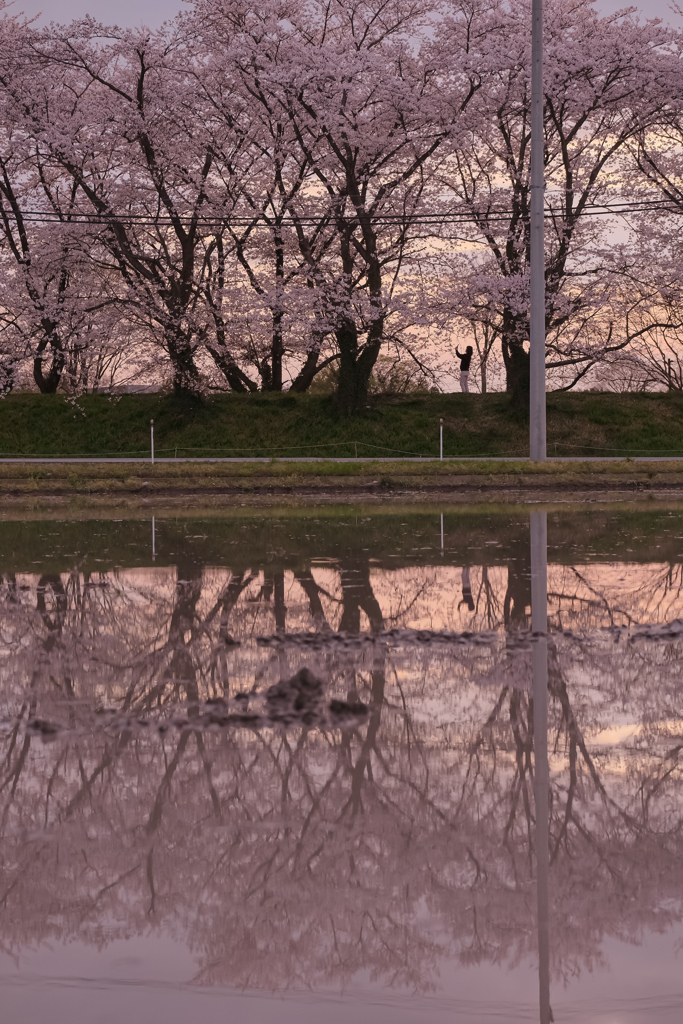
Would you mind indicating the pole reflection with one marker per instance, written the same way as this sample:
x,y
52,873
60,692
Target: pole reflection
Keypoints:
x,y
539,625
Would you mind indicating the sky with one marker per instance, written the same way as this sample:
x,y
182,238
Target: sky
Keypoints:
x,y
153,12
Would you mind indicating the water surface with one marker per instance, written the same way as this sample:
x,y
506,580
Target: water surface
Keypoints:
x,y
397,767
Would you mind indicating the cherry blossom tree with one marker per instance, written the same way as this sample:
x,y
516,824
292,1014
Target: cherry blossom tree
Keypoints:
x,y
51,314
605,79
368,98
130,133
258,192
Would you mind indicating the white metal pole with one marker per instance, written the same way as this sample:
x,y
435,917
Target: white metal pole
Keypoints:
x,y
537,434
441,439
154,541
442,533
151,434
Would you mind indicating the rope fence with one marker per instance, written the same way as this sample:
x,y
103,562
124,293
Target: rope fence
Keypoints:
x,y
180,454
189,453
602,448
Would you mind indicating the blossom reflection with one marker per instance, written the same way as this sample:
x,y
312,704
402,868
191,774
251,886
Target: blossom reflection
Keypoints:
x,y
386,847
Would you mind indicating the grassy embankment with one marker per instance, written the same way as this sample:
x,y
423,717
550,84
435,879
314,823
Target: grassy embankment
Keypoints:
x,y
289,425
278,426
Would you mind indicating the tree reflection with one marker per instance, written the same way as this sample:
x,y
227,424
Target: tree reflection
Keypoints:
x,y
301,857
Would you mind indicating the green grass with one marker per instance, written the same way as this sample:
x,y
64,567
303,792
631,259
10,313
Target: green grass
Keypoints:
x,y
103,477
289,425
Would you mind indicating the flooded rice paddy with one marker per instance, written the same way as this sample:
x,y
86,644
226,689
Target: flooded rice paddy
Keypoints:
x,y
341,766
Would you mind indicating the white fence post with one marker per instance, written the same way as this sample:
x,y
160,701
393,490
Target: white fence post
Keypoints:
x,y
151,435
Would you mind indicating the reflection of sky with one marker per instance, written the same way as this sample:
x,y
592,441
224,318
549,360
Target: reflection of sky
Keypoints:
x,y
141,870
641,975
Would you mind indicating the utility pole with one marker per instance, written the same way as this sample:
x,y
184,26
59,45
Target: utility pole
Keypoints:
x,y
537,439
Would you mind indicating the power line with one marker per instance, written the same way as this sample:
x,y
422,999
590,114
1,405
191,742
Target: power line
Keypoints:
x,y
425,218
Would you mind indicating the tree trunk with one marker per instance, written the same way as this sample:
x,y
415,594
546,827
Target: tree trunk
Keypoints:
x,y
356,365
356,361
236,379
276,353
516,359
352,387
185,372
279,605
357,596
304,377
277,347
48,382
518,382
518,592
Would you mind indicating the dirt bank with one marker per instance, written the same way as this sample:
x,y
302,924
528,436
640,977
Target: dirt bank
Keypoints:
x,y
55,485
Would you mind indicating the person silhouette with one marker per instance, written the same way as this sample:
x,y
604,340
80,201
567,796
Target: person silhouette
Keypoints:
x,y
465,360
